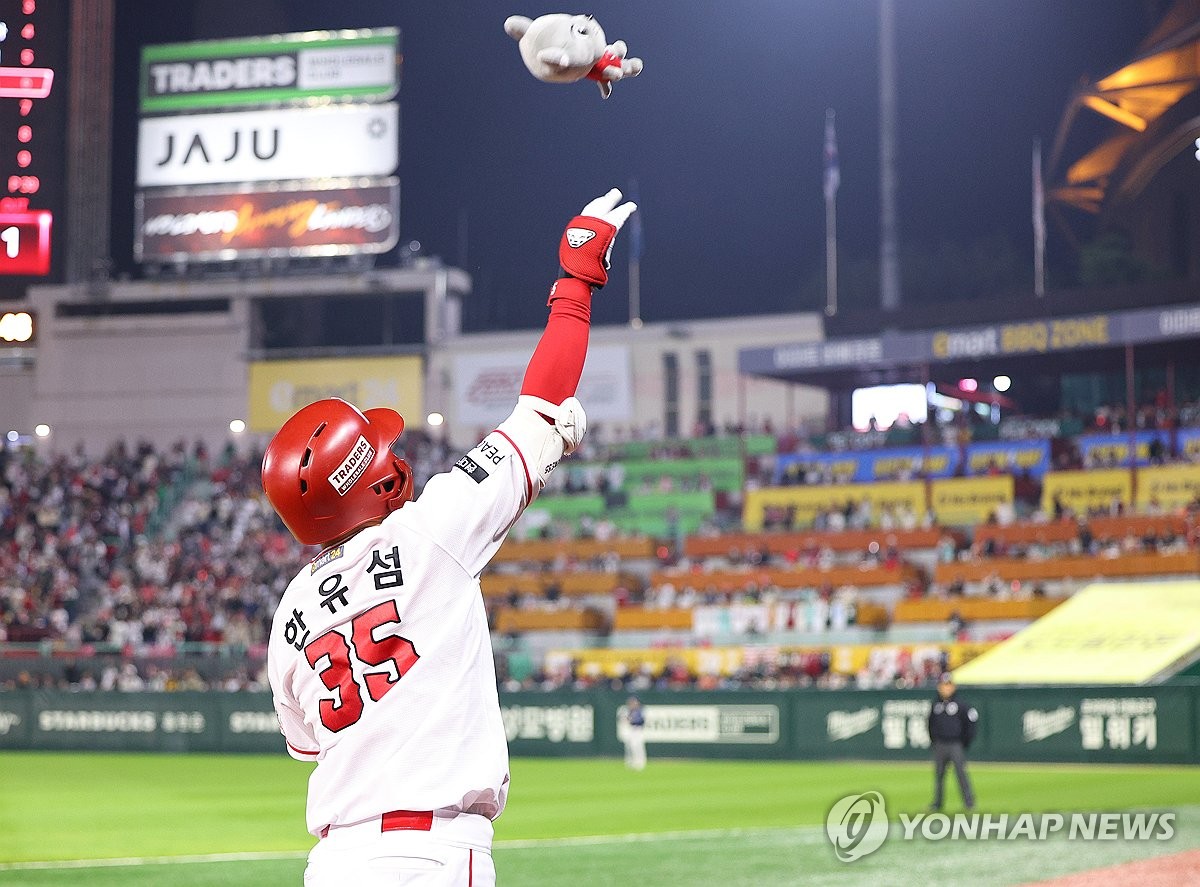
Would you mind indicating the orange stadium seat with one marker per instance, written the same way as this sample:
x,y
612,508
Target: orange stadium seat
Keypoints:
x,y
508,621
973,609
498,585
734,580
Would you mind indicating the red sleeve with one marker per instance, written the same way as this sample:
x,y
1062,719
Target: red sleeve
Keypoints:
x,y
557,362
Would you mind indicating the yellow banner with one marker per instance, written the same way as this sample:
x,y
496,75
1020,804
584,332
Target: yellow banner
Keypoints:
x,y
962,501
1120,633
1082,491
1034,337
848,659
807,501
280,387
1171,486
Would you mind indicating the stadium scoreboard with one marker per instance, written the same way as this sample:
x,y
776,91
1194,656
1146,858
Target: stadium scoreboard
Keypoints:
x,y
33,41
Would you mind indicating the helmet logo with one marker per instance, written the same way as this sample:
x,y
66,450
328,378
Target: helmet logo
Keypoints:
x,y
353,466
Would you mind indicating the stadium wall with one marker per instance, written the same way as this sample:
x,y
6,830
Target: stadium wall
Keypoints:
x,y
469,372
158,378
1062,724
16,397
169,361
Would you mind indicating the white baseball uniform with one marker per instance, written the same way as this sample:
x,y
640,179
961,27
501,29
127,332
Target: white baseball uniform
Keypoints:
x,y
381,668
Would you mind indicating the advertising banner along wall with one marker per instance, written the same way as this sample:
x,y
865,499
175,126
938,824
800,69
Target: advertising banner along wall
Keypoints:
x,y
968,501
905,463
486,385
280,387
1060,335
1058,724
1086,491
1112,450
1168,487
807,501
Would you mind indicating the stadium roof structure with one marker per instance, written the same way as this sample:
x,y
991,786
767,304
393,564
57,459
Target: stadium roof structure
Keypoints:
x,y
1153,113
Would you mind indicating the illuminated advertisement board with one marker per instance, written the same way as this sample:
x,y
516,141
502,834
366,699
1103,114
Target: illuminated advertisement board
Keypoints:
x,y
335,219
360,66
335,141
278,146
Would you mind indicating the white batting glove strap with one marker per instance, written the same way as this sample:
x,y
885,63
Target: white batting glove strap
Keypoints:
x,y
571,424
570,421
605,207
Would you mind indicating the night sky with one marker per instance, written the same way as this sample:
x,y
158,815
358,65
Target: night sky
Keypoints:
x,y
723,132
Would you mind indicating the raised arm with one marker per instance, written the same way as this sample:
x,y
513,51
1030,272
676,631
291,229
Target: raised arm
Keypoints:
x,y
470,509
548,389
583,255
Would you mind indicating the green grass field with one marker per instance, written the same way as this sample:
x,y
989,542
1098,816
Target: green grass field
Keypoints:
x,y
187,821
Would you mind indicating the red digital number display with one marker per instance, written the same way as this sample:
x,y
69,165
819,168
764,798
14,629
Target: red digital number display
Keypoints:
x,y
25,242
29,153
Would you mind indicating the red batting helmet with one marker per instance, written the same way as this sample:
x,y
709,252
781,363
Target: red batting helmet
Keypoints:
x,y
330,470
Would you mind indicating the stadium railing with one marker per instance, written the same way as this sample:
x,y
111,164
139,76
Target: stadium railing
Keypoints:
x,y
734,580
547,550
783,543
583,584
1010,569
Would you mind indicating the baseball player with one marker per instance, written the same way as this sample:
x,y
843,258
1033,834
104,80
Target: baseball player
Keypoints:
x,y
635,735
379,656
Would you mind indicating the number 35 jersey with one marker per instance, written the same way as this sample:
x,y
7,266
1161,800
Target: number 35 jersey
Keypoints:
x,y
379,657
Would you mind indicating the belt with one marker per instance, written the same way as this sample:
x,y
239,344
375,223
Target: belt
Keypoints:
x,y
401,821
406,820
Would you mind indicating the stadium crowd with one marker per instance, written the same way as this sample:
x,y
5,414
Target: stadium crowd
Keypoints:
x,y
144,553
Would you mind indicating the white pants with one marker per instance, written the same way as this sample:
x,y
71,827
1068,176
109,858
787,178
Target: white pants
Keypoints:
x,y
454,853
635,748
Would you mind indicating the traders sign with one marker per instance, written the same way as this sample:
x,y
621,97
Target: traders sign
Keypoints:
x,y
359,65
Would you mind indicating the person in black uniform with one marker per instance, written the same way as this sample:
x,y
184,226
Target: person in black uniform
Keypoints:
x,y
952,724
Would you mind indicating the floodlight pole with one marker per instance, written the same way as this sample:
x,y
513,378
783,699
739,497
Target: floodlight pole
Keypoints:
x,y
889,248
1131,421
831,282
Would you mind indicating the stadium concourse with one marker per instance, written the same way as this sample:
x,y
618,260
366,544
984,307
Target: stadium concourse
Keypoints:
x,y
739,560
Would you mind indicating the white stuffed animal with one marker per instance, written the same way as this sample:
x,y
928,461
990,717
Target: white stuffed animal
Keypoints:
x,y
561,48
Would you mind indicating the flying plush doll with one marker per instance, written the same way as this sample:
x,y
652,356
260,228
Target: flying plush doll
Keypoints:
x,y
561,48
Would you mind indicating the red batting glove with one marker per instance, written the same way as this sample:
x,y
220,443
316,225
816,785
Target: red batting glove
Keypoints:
x,y
586,245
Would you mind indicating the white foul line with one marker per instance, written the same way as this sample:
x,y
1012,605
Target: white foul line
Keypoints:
x,y
115,862
516,844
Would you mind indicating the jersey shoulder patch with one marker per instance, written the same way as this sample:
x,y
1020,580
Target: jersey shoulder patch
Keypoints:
x,y
472,469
